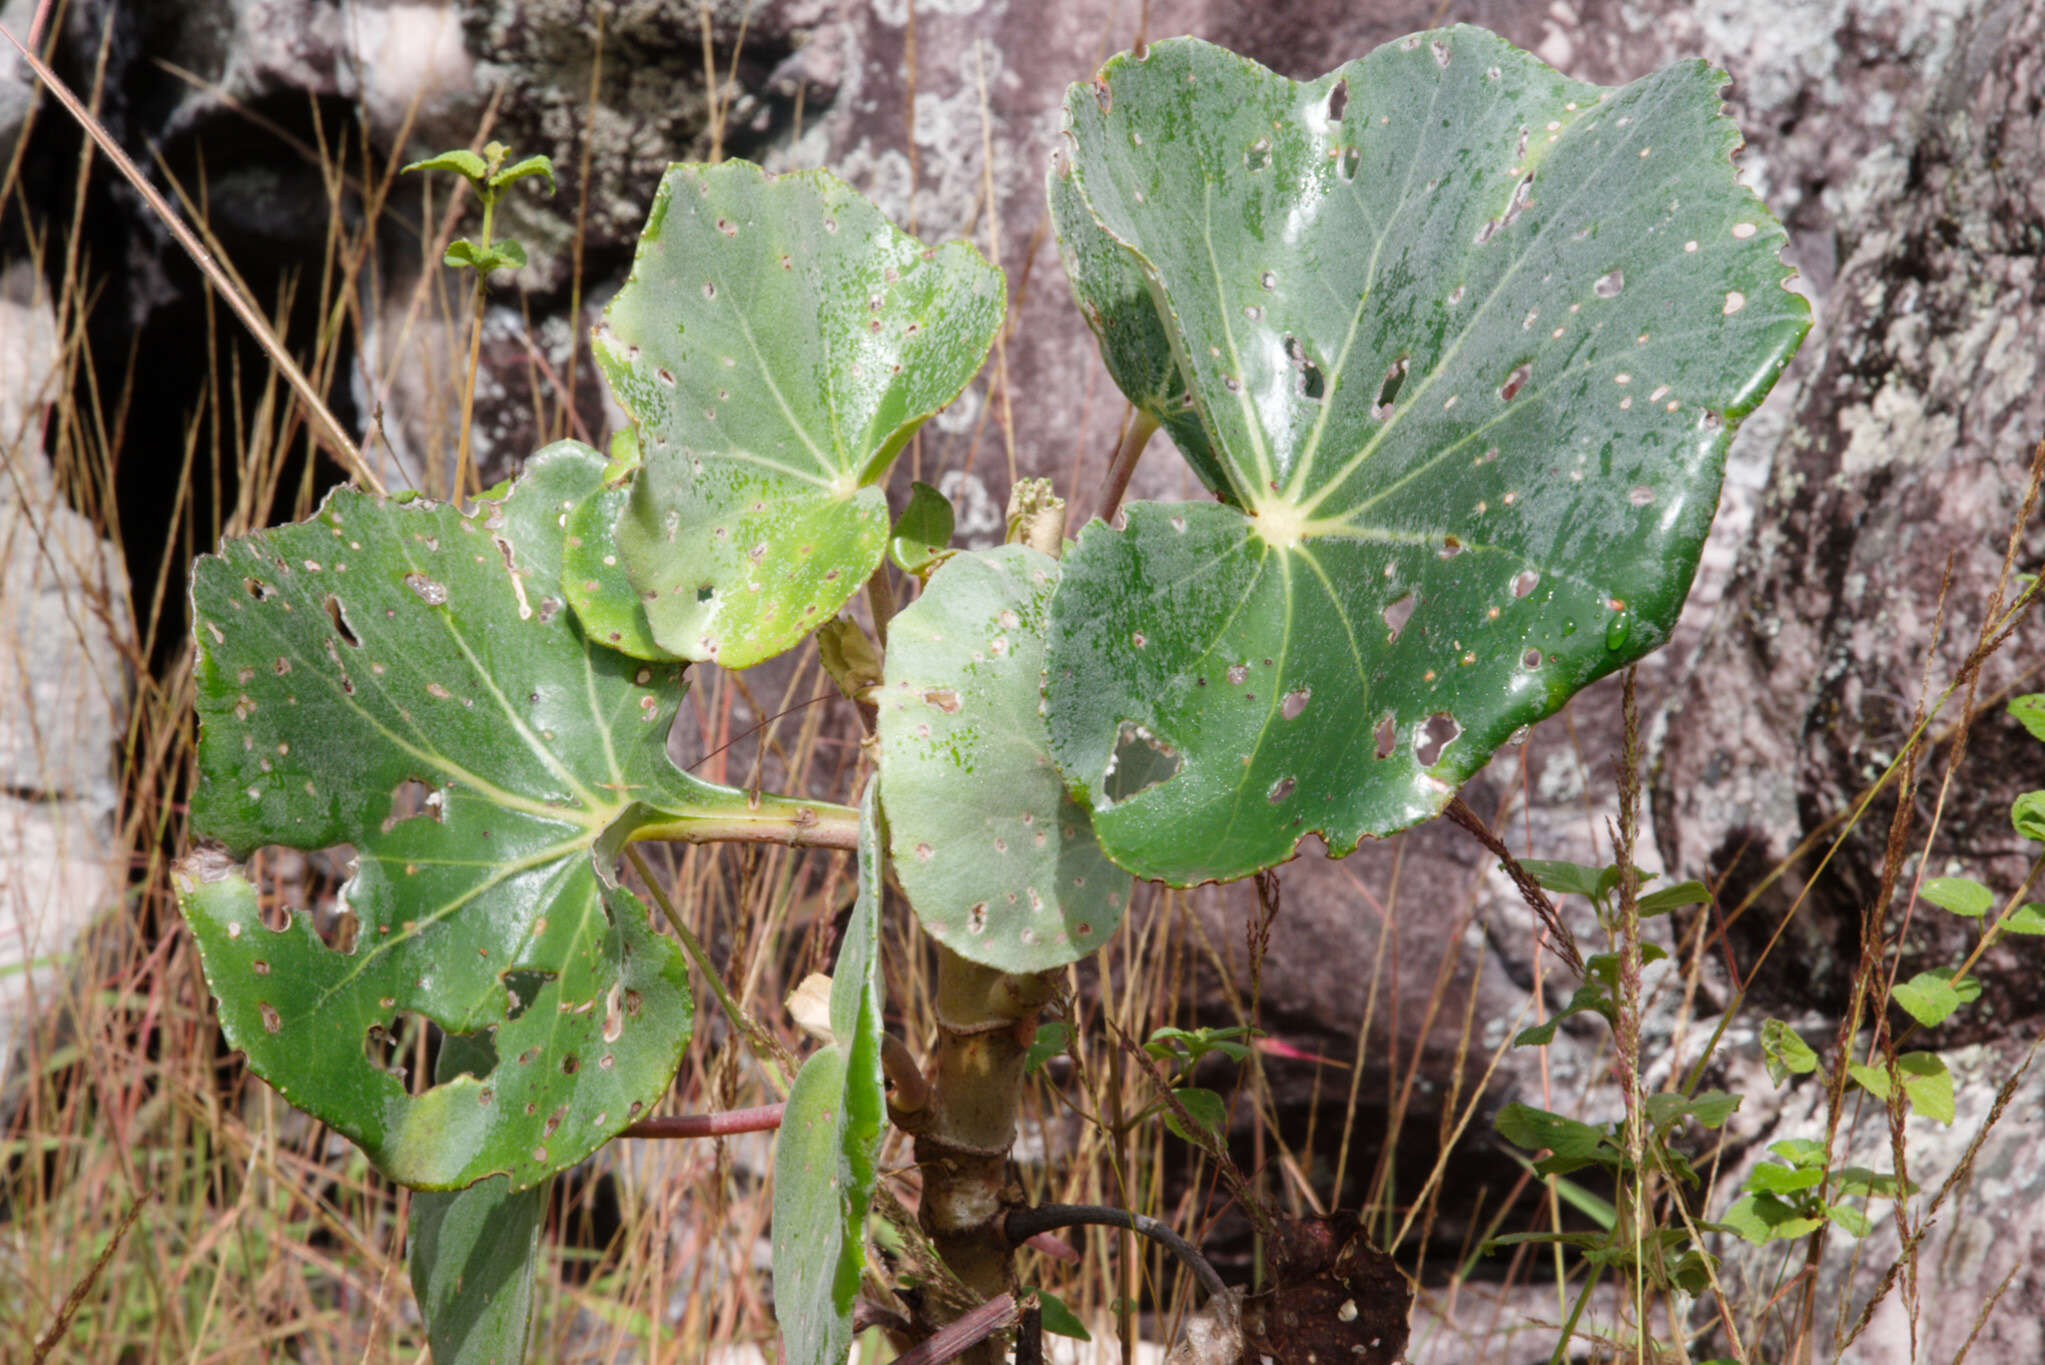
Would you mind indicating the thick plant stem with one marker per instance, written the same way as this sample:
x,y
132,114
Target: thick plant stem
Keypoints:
x,y
963,1134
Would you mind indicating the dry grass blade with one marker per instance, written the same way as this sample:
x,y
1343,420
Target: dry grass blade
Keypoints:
x,y
72,1301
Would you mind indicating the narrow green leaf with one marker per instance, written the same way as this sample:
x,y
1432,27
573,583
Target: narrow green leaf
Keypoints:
x,y
1674,898
924,529
1927,997
461,161
1440,515
1784,1053
471,1252
1961,895
1207,1110
402,678
1059,1320
997,859
2029,712
779,341
826,1152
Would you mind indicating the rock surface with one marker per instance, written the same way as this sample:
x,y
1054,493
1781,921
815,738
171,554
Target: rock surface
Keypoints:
x,y
1898,139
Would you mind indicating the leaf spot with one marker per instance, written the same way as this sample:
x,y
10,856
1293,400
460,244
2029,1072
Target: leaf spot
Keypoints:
x,y
1609,284
976,918
1734,302
1641,495
1524,582
1259,154
1281,789
1514,382
1386,734
944,699
431,593
1397,614
1295,702
1531,659
271,1023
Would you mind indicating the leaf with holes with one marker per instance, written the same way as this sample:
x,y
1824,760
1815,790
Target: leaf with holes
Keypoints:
x,y
999,862
1467,340
778,342
826,1152
402,678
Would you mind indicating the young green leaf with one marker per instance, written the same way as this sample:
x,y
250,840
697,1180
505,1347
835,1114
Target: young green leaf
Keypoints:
x,y
1568,879
1851,1219
1763,1218
1051,1040
1207,1110
779,341
924,529
826,1152
1927,998
1771,1178
1928,1084
1532,1129
1674,898
1059,1320
461,161
540,164
2029,712
1871,1077
1784,1053
1468,396
997,860
2028,918
1961,895
400,677
2027,815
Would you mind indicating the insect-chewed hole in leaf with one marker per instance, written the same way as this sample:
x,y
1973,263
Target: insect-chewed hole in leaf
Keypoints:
x,y
522,986
1531,659
944,699
1388,389
1141,760
1311,383
1338,100
1351,162
1524,582
1103,96
257,588
1441,53
1522,195
1451,546
1280,789
431,593
1397,614
1515,381
1609,284
341,622
706,592
411,799
1437,732
1295,702
1258,154
1386,734
389,1046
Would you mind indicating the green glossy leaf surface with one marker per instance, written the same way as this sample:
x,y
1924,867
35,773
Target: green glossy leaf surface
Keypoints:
x,y
777,343
402,678
829,1142
997,859
1467,356
471,1252
925,528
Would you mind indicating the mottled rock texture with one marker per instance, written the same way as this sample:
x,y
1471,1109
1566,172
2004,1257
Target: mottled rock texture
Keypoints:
x,y
1900,141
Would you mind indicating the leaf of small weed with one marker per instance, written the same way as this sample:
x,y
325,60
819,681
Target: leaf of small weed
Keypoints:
x,y
1926,998
1785,1053
1962,895
1763,1218
2028,918
461,161
519,170
2027,813
1873,1079
1800,1151
1674,898
2029,712
1771,1178
1567,878
1050,1041
1850,1218
464,254
1059,1320
1928,1084
1532,1129
1206,1109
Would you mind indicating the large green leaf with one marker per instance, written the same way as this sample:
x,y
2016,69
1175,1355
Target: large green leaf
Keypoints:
x,y
404,679
471,1252
826,1154
1467,340
999,862
777,344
